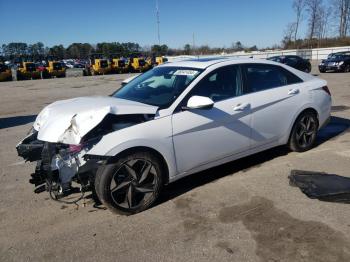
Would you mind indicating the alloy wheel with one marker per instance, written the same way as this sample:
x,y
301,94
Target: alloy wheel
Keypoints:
x,y
306,131
133,183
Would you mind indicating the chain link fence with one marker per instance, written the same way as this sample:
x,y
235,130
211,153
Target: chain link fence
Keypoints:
x,y
311,54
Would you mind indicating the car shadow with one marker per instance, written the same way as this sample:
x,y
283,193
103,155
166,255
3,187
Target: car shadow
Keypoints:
x,y
8,122
336,127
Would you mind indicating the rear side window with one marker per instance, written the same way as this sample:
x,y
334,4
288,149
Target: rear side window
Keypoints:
x,y
292,61
221,84
261,77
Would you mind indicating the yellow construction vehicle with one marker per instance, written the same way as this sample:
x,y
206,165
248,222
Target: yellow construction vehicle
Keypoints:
x,y
99,65
54,69
27,70
5,73
156,60
118,64
161,60
138,64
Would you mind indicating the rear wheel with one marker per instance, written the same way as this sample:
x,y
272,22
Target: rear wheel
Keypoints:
x,y
308,69
304,132
130,185
45,74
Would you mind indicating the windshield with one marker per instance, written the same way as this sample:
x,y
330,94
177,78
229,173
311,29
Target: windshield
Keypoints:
x,y
142,62
30,67
57,66
337,56
275,59
103,63
159,86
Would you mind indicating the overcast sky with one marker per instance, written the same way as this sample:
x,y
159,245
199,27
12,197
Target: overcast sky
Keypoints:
x,y
216,23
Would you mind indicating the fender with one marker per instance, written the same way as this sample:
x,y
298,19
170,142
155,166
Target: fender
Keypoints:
x,y
155,134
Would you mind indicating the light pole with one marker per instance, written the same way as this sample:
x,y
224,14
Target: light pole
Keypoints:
x,y
158,22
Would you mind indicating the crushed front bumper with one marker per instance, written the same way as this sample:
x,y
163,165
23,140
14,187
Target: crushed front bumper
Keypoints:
x,y
57,164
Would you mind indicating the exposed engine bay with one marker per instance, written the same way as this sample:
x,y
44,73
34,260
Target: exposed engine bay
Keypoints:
x,y
60,164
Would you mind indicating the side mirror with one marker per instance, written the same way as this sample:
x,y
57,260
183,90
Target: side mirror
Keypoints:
x,y
199,102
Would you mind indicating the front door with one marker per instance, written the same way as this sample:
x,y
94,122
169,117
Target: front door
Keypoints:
x,y
201,136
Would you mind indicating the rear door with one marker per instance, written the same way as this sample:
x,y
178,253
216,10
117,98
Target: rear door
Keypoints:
x,y
274,94
202,136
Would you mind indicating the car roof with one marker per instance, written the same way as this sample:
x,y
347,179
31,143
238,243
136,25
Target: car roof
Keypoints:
x,y
203,63
341,53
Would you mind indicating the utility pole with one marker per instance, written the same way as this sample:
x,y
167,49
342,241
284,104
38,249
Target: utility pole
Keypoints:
x,y
158,22
193,43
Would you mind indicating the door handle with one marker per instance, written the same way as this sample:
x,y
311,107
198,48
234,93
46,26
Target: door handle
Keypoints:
x,y
241,107
293,91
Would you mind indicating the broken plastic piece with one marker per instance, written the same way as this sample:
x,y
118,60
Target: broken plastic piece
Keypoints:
x,y
322,186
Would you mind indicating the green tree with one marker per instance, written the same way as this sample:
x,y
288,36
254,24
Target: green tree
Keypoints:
x,y
57,51
159,49
187,49
79,51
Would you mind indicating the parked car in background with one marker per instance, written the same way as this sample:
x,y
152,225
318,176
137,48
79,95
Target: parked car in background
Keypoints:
x,y
294,61
78,65
69,65
338,62
174,120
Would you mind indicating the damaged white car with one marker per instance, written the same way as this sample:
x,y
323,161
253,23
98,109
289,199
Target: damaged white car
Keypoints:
x,y
169,122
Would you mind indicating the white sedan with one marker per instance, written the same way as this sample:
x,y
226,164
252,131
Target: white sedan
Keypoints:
x,y
172,121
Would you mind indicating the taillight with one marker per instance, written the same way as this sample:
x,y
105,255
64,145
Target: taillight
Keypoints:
x,y
326,89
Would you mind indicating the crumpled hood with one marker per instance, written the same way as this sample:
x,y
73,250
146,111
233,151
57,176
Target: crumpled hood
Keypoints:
x,y
67,121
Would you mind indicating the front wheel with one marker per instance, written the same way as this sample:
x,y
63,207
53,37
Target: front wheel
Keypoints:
x,y
130,185
304,132
347,69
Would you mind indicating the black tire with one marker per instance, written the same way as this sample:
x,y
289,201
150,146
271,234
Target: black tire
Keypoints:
x,y
131,184
347,69
322,71
45,75
18,76
304,132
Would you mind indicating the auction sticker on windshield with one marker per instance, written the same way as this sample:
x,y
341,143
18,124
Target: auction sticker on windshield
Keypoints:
x,y
183,72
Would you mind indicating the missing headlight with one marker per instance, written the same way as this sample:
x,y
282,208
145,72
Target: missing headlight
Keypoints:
x,y
113,123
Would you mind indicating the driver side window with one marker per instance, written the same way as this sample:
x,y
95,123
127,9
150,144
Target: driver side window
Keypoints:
x,y
221,84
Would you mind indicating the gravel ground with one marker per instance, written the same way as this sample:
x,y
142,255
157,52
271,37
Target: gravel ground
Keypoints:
x,y
242,211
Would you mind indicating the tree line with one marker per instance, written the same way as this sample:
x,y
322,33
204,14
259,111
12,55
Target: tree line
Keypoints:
x,y
39,51
328,24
